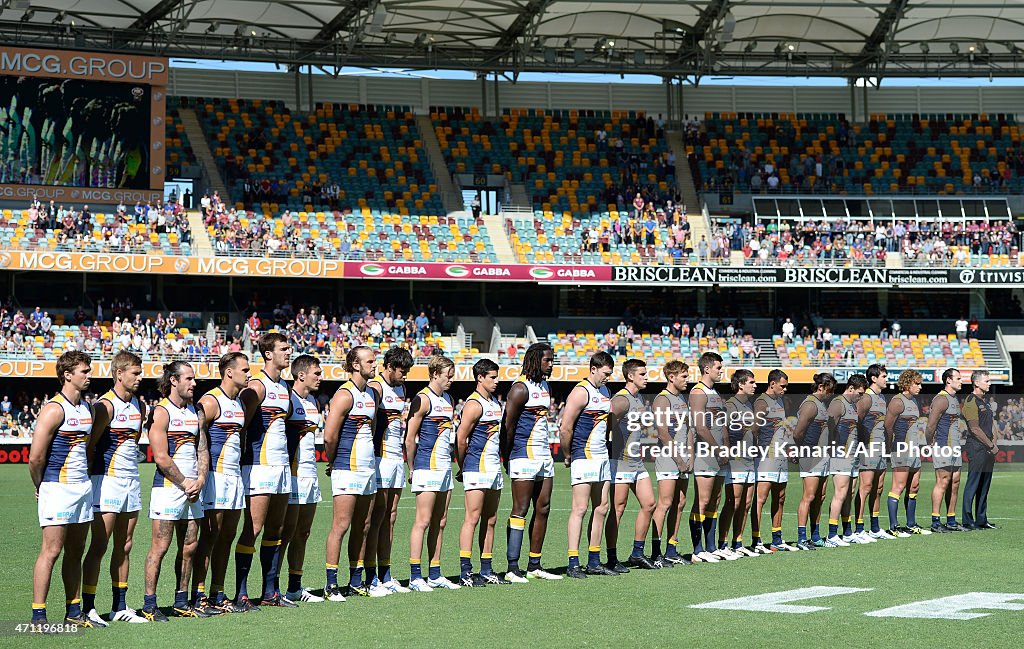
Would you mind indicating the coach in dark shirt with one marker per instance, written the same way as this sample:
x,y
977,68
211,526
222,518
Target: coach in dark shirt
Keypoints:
x,y
981,453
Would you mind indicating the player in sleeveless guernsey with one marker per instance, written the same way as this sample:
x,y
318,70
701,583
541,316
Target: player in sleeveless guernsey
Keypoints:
x,y
526,449
223,494
900,418
178,440
811,437
477,442
672,464
710,462
266,471
584,442
58,464
871,410
627,468
739,483
389,390
428,447
116,492
775,438
305,421
348,444
842,430
945,431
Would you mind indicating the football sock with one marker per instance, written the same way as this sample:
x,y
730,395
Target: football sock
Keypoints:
x,y
270,554
516,528
833,527
385,573
638,550
465,564
180,599
801,533
893,503
656,548
434,571
534,563
847,526
73,608
88,597
332,574
911,505
673,549
613,556
485,563
594,556
294,581
243,562
38,612
120,592
815,533
414,570
574,559
710,529
149,601
371,574
860,525
951,519
696,532
776,536
355,575
875,526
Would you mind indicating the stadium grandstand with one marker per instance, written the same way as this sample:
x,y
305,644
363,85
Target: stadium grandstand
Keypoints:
x,y
796,189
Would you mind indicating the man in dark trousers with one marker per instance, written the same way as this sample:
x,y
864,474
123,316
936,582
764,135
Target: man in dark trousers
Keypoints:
x,y
981,453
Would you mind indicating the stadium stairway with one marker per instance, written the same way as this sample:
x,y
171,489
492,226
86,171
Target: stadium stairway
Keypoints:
x,y
993,353
201,246
684,179
517,192
494,224
450,196
203,155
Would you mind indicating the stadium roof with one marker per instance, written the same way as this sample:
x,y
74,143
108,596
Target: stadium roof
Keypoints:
x,y
670,38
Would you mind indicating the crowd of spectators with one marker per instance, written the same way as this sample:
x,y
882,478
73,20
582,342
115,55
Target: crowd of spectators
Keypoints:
x,y
74,229
860,241
740,345
330,334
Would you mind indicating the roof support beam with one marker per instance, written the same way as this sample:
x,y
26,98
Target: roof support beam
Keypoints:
x,y
145,21
878,45
524,24
339,23
690,48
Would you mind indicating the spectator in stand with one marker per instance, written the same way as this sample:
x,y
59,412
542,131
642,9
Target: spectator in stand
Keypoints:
x,y
897,329
961,328
973,327
788,329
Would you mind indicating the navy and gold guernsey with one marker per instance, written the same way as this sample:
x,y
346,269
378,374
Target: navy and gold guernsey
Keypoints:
x,y
590,431
903,456
530,440
626,436
355,440
741,435
947,431
267,440
116,451
874,424
388,431
482,455
774,437
66,458
665,465
182,436
704,464
844,460
434,446
814,455
225,433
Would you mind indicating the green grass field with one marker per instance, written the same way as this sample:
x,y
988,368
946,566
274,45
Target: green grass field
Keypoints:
x,y
642,609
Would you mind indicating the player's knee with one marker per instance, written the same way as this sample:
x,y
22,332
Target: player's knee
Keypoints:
x,y
601,510
648,507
